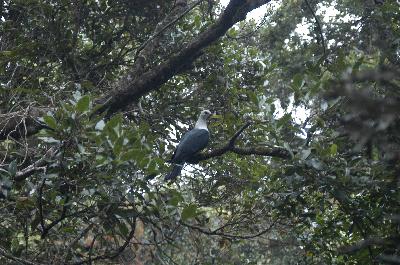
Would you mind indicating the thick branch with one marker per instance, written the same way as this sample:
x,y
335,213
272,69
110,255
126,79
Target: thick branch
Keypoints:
x,y
279,152
389,259
154,78
365,98
13,124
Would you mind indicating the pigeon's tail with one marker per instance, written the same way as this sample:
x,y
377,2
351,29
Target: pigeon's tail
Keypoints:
x,y
176,170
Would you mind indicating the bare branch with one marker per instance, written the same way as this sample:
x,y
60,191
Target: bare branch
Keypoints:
x,y
41,164
4,253
226,235
237,134
168,25
230,147
116,253
63,215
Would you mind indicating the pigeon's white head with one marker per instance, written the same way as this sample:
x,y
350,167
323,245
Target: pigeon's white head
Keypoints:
x,y
202,121
205,114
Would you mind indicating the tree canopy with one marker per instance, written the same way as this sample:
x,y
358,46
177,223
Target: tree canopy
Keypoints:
x,y
303,163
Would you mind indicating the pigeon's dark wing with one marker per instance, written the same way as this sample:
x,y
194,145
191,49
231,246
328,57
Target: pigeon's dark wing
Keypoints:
x,y
192,142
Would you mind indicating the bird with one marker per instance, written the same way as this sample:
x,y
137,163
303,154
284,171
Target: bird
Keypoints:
x,y
191,143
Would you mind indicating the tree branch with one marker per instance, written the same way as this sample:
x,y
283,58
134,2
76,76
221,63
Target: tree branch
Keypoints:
x,y
113,255
237,134
230,147
318,26
389,259
149,47
216,233
166,26
40,205
141,84
47,229
41,164
372,241
154,78
4,253
19,124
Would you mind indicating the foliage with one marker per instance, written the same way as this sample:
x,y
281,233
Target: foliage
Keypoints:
x,y
88,187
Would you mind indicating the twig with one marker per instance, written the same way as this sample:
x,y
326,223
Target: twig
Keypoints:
x,y
216,233
111,255
81,235
8,84
91,249
38,165
4,253
166,27
40,204
47,229
237,134
318,26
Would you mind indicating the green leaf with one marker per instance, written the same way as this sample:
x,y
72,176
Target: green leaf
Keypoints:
x,y
50,121
86,84
315,163
133,155
304,154
100,125
333,149
176,198
6,54
298,81
118,146
12,168
123,228
253,97
113,124
283,122
83,104
287,147
25,203
152,167
188,212
49,140
358,63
